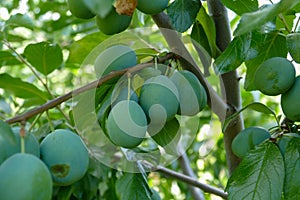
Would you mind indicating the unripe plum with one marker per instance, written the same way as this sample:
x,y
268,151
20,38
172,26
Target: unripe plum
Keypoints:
x,y
153,7
247,139
79,9
127,124
113,23
274,76
192,95
66,156
25,177
159,99
116,57
290,102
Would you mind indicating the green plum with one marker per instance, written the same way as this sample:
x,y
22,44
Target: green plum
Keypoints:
x,y
113,23
290,103
25,177
192,95
247,139
79,9
155,7
66,156
275,76
126,124
116,57
159,99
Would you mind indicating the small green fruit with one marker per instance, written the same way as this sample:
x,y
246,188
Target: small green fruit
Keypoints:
x,y
122,94
247,139
153,7
274,76
66,156
79,9
12,146
126,124
7,141
25,177
113,23
159,99
192,95
116,57
290,102
293,46
32,145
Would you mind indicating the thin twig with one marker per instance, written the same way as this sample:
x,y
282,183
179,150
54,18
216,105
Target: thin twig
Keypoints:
x,y
23,60
191,181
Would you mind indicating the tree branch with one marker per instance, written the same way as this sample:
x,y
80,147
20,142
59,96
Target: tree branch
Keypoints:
x,y
230,81
95,84
189,180
187,170
176,45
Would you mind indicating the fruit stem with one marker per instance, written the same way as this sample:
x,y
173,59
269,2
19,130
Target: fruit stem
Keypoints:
x,y
22,136
167,71
297,23
128,85
50,122
155,62
282,18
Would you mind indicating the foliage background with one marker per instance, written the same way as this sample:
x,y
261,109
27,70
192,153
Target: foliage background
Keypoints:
x,y
26,22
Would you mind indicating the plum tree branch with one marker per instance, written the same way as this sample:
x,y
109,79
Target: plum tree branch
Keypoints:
x,y
95,84
189,180
187,170
230,81
216,103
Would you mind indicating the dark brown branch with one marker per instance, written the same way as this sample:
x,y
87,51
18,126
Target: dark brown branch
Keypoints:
x,y
230,81
176,45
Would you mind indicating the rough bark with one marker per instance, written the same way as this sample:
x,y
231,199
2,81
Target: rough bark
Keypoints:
x,y
229,81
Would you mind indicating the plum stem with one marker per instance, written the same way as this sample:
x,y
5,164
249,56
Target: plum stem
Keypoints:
x,y
22,136
128,85
297,23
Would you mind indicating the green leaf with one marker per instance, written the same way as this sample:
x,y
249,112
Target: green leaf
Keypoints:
x,y
44,57
133,187
6,132
288,23
99,7
81,48
260,175
241,6
257,106
7,58
234,55
265,46
292,168
22,89
200,38
182,13
254,20
208,25
19,20
168,137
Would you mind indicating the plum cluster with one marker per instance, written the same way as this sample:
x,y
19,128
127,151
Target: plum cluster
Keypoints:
x,y
60,159
153,106
277,76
